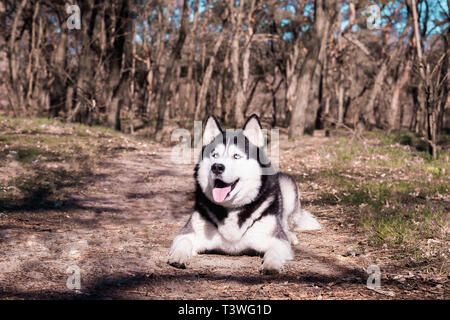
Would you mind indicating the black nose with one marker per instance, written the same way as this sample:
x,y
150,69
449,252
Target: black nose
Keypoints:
x,y
217,168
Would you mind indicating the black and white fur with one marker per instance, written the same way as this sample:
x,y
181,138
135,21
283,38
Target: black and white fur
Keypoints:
x,y
255,216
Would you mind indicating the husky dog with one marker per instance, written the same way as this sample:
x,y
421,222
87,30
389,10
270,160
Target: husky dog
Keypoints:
x,y
242,205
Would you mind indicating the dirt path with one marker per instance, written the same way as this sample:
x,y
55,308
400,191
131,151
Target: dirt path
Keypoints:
x,y
117,230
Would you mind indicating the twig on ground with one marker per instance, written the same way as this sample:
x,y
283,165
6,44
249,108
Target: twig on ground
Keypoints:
x,y
384,292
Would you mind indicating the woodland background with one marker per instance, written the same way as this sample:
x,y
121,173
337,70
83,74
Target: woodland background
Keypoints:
x,y
302,65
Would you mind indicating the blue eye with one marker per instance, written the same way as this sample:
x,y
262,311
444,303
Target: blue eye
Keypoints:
x,y
215,155
237,156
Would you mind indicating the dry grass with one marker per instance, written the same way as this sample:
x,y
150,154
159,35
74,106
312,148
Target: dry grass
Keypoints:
x,y
394,193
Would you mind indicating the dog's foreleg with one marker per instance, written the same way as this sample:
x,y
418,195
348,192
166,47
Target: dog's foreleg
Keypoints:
x,y
269,237
196,236
182,248
278,252
181,251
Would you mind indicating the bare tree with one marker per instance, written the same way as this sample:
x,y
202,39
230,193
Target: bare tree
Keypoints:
x,y
156,63
323,14
174,56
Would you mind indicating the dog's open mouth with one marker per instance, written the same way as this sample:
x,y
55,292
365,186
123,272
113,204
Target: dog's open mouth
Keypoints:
x,y
221,189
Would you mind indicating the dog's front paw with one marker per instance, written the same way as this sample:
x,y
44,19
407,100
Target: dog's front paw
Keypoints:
x,y
272,264
271,268
180,254
268,272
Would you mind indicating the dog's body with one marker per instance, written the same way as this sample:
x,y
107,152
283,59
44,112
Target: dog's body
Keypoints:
x,y
239,208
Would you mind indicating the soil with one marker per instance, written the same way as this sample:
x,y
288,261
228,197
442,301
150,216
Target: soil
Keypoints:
x,y
119,224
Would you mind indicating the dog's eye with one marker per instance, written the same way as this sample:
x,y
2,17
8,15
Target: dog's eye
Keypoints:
x,y
214,155
237,156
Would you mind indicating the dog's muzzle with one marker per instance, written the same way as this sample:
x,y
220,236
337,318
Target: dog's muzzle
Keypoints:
x,y
217,168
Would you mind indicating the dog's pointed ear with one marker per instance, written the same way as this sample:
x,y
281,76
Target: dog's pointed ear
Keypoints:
x,y
253,131
212,130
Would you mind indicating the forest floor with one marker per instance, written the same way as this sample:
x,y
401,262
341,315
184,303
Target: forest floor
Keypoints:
x,y
73,196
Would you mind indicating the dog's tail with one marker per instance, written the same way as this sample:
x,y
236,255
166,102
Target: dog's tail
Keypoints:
x,y
304,220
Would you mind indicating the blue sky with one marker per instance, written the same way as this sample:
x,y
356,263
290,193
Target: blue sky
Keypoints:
x,y
436,7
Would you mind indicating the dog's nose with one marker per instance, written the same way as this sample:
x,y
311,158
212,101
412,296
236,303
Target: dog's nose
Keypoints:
x,y
217,168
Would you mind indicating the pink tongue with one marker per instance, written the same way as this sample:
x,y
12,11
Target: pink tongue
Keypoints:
x,y
219,194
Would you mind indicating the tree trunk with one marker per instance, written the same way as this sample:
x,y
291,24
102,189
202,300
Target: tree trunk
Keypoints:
x,y
84,81
238,95
316,93
394,110
201,101
15,89
341,93
120,63
298,118
241,88
175,55
369,110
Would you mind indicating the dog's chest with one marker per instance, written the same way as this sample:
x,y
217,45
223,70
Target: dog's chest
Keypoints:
x,y
230,229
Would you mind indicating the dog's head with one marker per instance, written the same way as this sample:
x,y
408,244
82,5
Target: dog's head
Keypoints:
x,y
231,165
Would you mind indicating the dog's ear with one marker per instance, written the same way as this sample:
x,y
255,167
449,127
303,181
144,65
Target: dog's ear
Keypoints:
x,y
253,131
212,130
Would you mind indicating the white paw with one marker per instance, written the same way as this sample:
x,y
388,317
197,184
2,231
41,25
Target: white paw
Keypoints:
x,y
275,257
272,263
180,253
